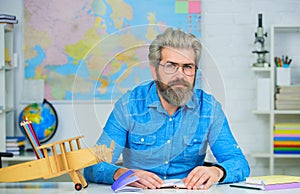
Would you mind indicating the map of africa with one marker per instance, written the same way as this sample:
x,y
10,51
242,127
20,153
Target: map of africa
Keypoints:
x,y
86,50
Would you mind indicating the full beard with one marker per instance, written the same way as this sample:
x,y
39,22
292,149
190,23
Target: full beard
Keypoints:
x,y
177,96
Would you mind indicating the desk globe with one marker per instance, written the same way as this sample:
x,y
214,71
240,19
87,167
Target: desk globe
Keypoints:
x,y
43,118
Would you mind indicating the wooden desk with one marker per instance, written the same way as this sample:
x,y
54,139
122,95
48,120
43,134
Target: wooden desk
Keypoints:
x,y
68,187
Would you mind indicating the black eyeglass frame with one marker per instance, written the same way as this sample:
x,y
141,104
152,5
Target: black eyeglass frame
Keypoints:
x,y
177,67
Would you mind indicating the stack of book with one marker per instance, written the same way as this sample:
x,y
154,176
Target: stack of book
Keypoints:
x,y
8,19
15,144
287,138
273,182
288,98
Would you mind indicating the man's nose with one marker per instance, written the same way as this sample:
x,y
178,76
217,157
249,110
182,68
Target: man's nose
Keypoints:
x,y
180,72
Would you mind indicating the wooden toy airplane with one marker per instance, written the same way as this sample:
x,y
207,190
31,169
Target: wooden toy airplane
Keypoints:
x,y
62,161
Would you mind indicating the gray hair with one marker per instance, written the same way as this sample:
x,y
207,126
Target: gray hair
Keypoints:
x,y
174,39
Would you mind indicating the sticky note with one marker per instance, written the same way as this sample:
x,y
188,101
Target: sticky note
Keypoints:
x,y
181,7
194,7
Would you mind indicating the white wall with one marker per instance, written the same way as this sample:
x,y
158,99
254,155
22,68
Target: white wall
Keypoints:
x,y
228,34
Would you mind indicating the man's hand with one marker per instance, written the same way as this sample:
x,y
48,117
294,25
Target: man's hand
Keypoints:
x,y
146,179
203,177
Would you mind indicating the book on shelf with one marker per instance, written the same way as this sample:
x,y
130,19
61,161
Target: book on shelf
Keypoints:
x,y
15,145
286,138
6,21
286,145
288,102
289,89
280,106
272,182
16,150
287,126
7,16
287,131
291,152
287,96
15,138
9,19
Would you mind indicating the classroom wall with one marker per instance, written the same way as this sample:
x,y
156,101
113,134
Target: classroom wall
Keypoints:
x,y
228,35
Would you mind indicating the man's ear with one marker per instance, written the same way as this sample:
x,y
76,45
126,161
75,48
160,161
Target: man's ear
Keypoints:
x,y
153,71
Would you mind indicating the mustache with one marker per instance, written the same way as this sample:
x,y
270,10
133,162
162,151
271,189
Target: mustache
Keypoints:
x,y
178,82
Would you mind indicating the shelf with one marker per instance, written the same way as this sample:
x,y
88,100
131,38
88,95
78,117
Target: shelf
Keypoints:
x,y
7,68
268,155
277,112
282,112
7,122
287,28
261,155
283,39
286,155
262,69
26,156
261,112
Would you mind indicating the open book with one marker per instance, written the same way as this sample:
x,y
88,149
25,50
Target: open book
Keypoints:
x,y
121,184
173,183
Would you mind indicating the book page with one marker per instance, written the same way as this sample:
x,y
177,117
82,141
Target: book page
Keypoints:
x,y
173,183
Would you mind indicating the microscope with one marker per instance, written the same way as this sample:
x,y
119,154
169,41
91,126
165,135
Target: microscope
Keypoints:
x,y
260,42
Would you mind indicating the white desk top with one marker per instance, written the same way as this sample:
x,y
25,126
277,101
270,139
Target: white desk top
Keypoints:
x,y
68,187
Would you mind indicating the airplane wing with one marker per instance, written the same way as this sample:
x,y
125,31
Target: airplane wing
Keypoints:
x,y
56,165
24,171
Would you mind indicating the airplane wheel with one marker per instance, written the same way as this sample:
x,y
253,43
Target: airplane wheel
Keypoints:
x,y
78,186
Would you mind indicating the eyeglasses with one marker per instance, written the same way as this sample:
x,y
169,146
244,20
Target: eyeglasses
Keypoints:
x,y
171,68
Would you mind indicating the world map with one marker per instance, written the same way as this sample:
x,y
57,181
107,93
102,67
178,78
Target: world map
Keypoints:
x,y
92,49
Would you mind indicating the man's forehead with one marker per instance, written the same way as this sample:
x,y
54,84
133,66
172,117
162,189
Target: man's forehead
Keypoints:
x,y
186,54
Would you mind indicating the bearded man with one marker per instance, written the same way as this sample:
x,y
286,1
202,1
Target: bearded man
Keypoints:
x,y
163,127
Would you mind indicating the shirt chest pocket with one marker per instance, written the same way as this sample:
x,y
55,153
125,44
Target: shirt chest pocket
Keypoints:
x,y
142,142
195,148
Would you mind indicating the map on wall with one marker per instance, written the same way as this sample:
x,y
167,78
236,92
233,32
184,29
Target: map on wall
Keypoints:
x,y
92,49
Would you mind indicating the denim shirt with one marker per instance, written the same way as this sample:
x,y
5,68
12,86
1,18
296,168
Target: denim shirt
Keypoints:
x,y
169,146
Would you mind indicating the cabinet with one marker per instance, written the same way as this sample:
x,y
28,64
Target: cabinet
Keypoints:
x,y
284,40
7,123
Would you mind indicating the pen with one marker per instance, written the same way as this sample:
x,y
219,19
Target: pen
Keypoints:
x,y
286,59
280,62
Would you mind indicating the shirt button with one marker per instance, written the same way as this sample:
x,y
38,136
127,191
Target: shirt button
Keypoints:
x,y
166,162
170,119
142,139
169,141
165,177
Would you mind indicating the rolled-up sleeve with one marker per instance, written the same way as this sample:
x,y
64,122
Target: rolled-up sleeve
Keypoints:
x,y
225,148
